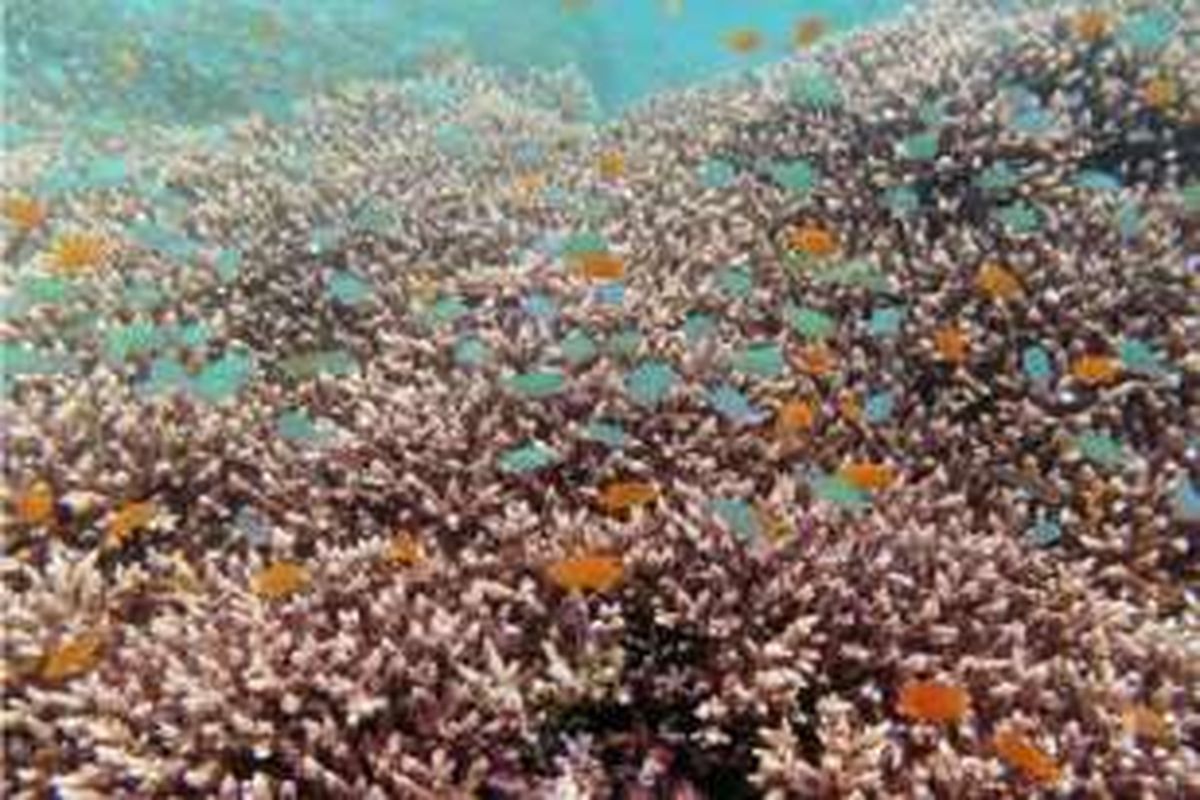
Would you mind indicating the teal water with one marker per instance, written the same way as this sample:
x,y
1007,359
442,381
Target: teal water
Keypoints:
x,y
104,64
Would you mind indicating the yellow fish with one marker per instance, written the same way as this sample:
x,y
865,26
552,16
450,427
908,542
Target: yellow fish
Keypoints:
x,y
75,253
997,282
1096,370
23,212
405,550
744,41
72,658
808,31
611,165
280,580
627,494
128,519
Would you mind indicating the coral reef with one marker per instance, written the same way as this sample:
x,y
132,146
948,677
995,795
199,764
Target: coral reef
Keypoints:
x,y
828,431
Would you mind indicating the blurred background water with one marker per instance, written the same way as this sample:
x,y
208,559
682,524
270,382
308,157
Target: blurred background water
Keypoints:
x,y
94,67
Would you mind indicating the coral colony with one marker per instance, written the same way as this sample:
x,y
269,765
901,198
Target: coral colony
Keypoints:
x,y
830,433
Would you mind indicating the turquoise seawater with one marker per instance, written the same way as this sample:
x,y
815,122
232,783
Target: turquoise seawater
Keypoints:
x,y
108,63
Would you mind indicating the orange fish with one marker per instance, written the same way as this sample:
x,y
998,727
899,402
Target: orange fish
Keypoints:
x,y
130,518
597,266
526,186
808,31
817,360
811,240
997,282
281,579
849,406
23,212
1095,370
1026,757
930,701
405,550
744,40
75,253
627,494
611,165
35,505
1143,722
795,416
75,657
951,344
586,573
1160,93
868,476
1091,25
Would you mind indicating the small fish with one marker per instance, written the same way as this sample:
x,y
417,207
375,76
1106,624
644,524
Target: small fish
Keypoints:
x,y
23,212
538,384
741,517
526,459
886,320
733,405
574,5
281,579
1143,722
624,495
1091,25
795,416
931,701
868,476
1036,363
586,573
951,344
880,407
599,266
1096,370
405,550
35,504
674,8
72,658
814,241
997,282
611,165
1019,753
129,519
527,186
744,41
817,360
75,253
809,31
1160,93
650,383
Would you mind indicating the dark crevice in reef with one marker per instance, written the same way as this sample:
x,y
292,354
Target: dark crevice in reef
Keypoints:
x,y
656,724
626,735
